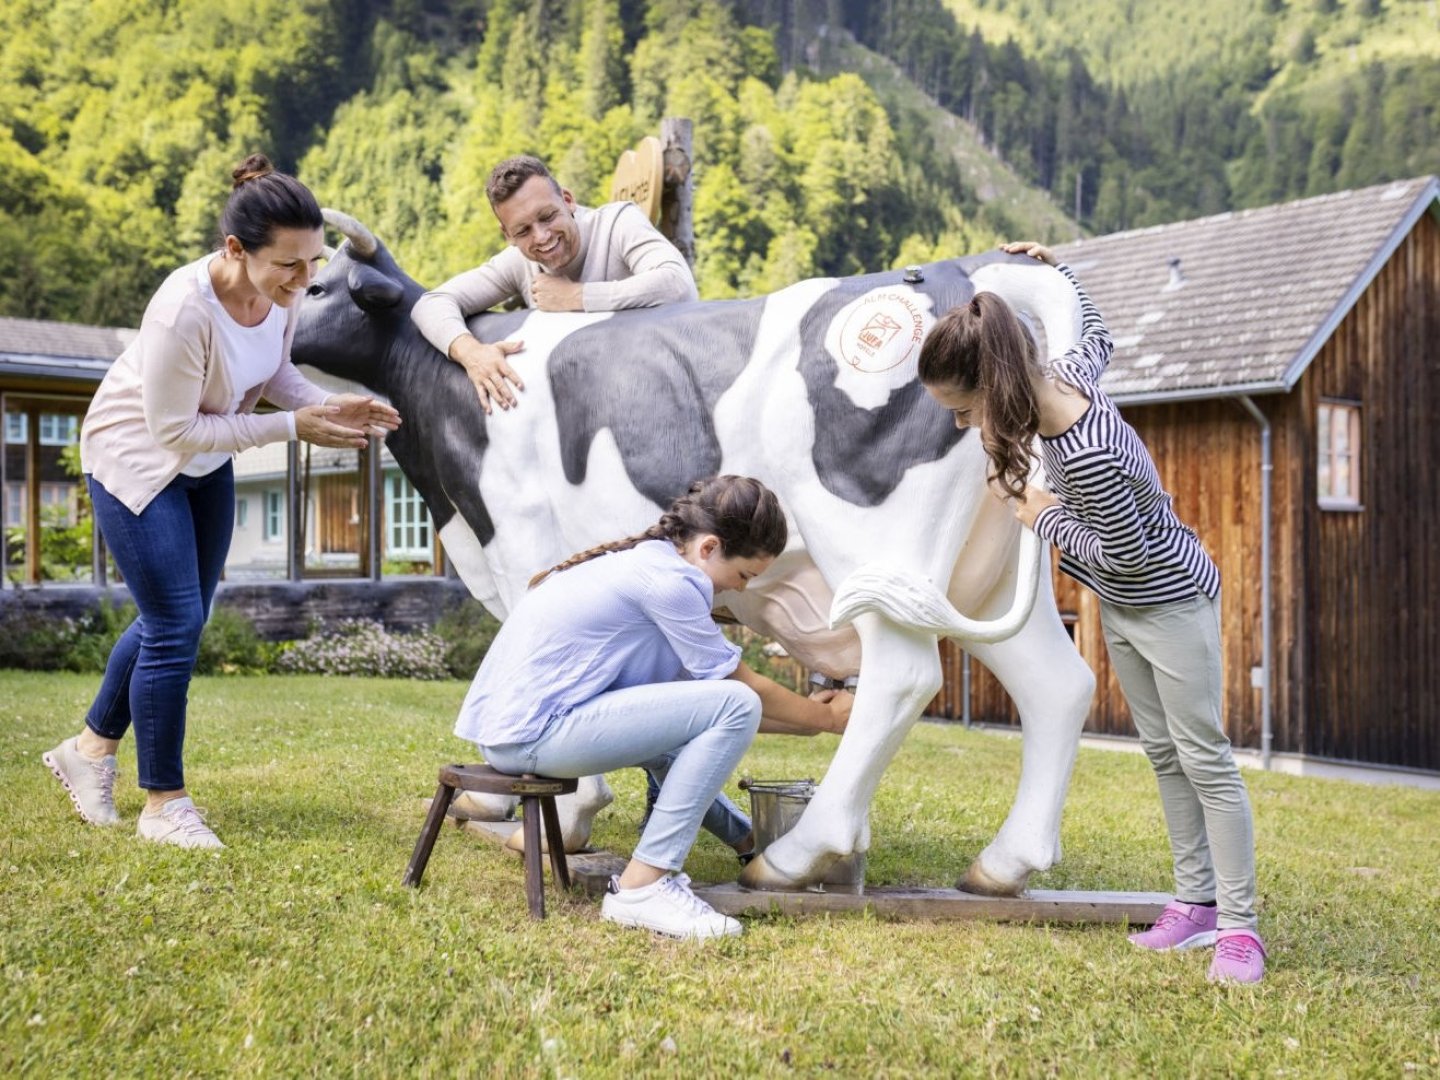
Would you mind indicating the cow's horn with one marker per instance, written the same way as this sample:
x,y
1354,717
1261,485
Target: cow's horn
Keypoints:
x,y
362,240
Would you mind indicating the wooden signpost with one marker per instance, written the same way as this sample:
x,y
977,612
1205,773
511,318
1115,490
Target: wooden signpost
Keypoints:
x,y
639,177
656,176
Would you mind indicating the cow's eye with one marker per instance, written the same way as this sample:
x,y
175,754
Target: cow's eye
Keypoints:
x,y
315,289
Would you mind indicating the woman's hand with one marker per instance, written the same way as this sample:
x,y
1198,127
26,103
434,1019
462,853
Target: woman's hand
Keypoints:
x,y
1031,248
839,703
371,416
345,420
1036,499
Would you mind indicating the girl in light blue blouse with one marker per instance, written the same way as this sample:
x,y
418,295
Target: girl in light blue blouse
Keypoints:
x,y
617,661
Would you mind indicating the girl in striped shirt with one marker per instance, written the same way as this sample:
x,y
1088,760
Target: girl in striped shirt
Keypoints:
x,y
1159,592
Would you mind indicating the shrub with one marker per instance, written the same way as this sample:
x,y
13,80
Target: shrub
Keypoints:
x,y
467,630
39,641
365,647
95,635
32,640
230,646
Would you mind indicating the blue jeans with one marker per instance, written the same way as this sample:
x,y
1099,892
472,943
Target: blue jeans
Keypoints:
x,y
724,819
171,555
692,734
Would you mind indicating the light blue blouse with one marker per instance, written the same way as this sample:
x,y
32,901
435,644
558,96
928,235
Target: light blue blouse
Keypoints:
x,y
630,618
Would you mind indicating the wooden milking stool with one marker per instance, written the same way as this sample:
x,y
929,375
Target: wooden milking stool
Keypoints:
x,y
537,800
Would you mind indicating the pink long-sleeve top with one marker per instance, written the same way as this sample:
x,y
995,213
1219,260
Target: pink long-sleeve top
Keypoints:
x,y
171,396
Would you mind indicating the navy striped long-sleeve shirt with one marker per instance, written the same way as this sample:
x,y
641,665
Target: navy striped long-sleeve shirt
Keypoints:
x,y
1115,527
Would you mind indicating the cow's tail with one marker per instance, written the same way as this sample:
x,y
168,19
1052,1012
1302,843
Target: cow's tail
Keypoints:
x,y
915,602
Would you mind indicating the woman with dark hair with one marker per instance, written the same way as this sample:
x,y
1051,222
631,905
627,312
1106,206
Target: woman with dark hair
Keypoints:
x,y
1118,535
156,447
616,661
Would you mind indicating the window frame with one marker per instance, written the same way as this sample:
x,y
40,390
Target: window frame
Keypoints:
x,y
406,517
15,492
273,515
21,434
1328,454
59,429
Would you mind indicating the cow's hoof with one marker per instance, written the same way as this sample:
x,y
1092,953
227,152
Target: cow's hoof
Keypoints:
x,y
759,874
482,806
573,844
978,882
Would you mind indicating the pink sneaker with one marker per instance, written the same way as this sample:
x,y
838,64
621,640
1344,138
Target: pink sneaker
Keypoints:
x,y
1180,926
1239,957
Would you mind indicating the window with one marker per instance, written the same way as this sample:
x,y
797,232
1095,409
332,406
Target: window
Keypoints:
x,y
14,504
1338,452
59,429
57,505
242,512
274,515
17,427
407,521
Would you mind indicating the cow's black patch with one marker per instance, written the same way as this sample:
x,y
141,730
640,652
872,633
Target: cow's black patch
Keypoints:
x,y
861,454
652,376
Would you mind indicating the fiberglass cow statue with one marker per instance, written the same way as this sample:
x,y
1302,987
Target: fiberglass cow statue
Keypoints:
x,y
894,531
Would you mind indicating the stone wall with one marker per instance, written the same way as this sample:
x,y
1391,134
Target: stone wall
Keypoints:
x,y
282,610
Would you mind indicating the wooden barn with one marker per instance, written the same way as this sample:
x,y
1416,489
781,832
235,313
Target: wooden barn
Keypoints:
x,y
1283,365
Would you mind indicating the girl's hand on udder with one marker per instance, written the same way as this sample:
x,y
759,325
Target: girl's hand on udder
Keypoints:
x,y
1036,499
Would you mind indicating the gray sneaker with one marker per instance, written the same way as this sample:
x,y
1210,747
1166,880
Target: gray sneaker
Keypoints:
x,y
666,907
90,782
179,822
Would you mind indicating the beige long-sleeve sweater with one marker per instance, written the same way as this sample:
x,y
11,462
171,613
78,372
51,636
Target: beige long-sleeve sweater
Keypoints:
x,y
624,262
168,397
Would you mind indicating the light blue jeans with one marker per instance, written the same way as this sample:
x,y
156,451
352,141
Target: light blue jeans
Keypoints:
x,y
692,734
1167,658
723,820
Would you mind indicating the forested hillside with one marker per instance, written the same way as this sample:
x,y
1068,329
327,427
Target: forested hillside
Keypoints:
x,y
1168,109
119,120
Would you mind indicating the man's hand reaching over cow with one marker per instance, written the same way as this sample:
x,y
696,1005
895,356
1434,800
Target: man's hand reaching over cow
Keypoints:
x,y
488,368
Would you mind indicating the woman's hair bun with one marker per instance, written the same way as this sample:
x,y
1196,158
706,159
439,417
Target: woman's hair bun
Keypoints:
x,y
252,168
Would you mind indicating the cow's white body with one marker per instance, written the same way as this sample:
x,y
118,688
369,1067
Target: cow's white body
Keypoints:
x,y
941,528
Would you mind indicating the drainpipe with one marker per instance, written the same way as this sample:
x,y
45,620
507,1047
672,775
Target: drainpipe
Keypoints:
x,y
1267,470
965,717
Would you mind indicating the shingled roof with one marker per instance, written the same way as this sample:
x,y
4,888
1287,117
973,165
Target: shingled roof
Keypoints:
x,y
35,347
1254,293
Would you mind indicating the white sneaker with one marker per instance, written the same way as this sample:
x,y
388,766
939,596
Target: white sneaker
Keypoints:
x,y
667,907
90,781
179,822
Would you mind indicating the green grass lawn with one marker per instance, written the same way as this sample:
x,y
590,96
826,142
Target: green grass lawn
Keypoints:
x,y
296,951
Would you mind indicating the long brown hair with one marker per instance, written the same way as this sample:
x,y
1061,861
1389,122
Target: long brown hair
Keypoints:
x,y
982,347
740,510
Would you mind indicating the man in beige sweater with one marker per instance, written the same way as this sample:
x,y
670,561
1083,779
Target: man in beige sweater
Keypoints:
x,y
562,257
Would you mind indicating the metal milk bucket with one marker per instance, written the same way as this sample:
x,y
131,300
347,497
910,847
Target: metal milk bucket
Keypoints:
x,y
775,807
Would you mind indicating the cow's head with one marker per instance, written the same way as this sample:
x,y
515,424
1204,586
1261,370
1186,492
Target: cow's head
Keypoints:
x,y
356,309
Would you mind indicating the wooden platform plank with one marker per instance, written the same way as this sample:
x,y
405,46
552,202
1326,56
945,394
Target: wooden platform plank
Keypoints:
x,y
591,872
1037,905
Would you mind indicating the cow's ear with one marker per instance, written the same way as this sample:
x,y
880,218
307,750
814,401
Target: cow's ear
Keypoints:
x,y
372,290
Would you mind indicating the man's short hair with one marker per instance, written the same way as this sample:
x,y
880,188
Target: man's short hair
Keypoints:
x,y
506,178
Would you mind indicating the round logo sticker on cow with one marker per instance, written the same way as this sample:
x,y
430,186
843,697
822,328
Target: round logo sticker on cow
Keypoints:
x,y
876,343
